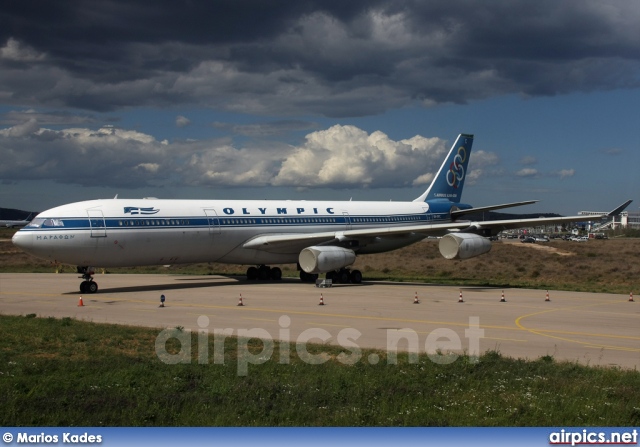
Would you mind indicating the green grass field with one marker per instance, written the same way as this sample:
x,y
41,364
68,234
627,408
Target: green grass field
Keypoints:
x,y
69,373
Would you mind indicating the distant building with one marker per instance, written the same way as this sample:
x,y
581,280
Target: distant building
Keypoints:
x,y
625,219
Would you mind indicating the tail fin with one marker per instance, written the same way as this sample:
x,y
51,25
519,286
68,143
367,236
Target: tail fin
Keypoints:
x,y
448,182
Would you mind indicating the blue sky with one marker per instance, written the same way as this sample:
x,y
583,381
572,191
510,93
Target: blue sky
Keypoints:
x,y
319,100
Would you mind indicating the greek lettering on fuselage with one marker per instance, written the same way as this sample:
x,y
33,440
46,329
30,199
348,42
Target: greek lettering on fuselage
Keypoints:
x,y
55,236
282,211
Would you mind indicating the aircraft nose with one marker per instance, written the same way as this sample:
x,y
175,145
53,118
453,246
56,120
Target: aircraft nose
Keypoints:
x,y
23,239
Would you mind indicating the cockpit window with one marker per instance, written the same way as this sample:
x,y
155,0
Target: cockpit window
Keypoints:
x,y
39,222
53,223
35,223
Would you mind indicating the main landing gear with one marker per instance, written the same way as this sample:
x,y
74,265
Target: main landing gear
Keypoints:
x,y
263,273
345,276
88,285
342,276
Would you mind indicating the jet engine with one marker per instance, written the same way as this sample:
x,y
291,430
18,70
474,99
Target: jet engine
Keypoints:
x,y
325,259
463,245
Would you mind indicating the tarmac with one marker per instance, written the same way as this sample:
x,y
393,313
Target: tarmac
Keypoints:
x,y
587,328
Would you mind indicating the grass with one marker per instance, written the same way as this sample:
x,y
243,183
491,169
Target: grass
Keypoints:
x,y
64,372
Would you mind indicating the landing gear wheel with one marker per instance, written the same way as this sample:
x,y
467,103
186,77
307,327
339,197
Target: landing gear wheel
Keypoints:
x,y
88,287
356,276
276,274
307,277
343,276
264,272
252,273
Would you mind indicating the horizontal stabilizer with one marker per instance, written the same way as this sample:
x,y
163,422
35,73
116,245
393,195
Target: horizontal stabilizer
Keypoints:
x,y
457,213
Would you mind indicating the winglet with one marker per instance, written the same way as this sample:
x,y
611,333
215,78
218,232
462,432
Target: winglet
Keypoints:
x,y
620,209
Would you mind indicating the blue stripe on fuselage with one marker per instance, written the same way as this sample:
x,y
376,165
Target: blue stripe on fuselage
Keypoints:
x,y
438,212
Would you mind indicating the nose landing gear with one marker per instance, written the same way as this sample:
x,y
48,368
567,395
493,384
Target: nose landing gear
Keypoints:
x,y
88,285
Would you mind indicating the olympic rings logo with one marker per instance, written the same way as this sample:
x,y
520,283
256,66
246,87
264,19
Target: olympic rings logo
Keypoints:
x,y
456,170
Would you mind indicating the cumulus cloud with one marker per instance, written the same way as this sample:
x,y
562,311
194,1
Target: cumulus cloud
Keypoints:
x,y
22,129
103,157
344,156
182,121
340,156
483,163
527,172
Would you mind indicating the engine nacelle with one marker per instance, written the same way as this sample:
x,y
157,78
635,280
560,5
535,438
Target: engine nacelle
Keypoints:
x,y
463,245
325,259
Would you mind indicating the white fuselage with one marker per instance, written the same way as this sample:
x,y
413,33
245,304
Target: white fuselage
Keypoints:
x,y
122,232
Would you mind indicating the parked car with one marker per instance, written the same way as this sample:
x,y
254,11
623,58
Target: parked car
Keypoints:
x,y
528,240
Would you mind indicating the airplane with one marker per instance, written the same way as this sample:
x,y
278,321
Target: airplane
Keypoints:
x,y
318,236
16,223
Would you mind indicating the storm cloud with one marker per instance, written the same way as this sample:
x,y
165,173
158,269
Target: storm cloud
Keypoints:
x,y
330,58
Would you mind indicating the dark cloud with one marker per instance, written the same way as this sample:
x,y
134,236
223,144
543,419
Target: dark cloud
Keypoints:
x,y
334,58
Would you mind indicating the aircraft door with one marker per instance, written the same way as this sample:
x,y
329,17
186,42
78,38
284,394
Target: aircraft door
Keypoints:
x,y
97,224
347,220
213,220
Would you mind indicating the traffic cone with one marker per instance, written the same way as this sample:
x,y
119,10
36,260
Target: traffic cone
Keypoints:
x,y
502,300
80,303
547,298
321,303
416,300
460,300
240,303
631,297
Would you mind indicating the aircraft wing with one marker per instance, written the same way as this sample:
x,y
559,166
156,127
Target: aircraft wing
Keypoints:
x,y
286,243
619,209
509,224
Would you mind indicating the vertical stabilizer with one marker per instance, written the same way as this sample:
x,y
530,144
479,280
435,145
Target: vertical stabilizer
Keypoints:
x,y
448,182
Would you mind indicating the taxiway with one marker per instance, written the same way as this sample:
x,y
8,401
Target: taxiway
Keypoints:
x,y
588,328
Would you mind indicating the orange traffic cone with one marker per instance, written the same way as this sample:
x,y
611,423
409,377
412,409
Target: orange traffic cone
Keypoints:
x,y
547,298
321,303
502,300
416,300
631,297
460,300
80,303
240,303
